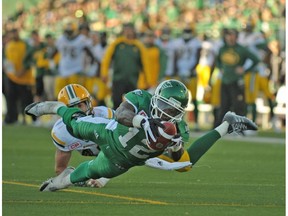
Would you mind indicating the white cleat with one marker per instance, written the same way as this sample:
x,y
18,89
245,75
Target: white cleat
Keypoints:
x,y
43,108
57,182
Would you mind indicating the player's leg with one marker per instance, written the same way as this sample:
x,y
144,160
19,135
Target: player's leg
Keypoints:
x,y
101,166
216,99
265,88
251,91
231,123
192,87
238,98
76,78
62,159
60,82
203,74
97,89
225,102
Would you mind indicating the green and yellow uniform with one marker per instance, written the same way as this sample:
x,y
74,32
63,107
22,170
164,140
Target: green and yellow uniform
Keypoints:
x,y
15,53
157,66
129,59
229,60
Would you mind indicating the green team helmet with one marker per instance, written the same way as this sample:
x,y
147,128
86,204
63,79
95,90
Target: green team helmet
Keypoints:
x,y
169,101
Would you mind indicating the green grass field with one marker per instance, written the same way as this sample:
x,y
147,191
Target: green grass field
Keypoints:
x,y
233,178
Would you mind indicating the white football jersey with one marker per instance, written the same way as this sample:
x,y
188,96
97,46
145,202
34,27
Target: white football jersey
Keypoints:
x,y
72,52
251,40
168,48
208,54
186,55
64,141
98,51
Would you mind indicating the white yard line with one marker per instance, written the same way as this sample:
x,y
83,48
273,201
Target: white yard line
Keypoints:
x,y
255,139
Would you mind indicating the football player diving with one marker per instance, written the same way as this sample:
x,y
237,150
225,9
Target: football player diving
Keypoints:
x,y
75,95
125,141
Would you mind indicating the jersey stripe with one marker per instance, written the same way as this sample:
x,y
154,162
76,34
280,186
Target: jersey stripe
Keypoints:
x,y
110,113
57,140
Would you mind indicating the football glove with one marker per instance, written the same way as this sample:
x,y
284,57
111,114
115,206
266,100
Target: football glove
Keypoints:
x,y
166,165
149,125
176,143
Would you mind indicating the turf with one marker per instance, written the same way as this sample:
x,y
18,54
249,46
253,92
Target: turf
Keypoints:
x,y
232,178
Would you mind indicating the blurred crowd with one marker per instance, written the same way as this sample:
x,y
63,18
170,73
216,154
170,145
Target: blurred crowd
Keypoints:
x,y
207,16
114,46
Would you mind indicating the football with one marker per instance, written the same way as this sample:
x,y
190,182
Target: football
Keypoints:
x,y
166,134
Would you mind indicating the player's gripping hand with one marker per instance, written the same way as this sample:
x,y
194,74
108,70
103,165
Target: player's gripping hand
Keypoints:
x,y
149,125
176,143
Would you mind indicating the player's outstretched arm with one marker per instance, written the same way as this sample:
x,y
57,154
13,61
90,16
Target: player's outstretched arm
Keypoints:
x,y
43,108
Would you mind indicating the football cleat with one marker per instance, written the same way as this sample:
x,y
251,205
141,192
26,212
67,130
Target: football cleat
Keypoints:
x,y
43,108
44,184
56,183
238,124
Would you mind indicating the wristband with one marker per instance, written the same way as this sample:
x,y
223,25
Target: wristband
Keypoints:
x,y
138,120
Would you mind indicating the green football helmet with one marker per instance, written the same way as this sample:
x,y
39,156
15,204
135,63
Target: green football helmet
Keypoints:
x,y
169,101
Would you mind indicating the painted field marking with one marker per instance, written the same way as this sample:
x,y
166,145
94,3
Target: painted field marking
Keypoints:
x,y
135,201
95,193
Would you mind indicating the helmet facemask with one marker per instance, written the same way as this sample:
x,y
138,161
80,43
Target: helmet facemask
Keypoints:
x,y
166,109
86,101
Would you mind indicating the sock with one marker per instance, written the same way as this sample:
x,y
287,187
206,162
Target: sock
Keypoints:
x,y
202,145
223,128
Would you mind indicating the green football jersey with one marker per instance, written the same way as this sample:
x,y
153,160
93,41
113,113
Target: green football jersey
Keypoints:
x,y
124,146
